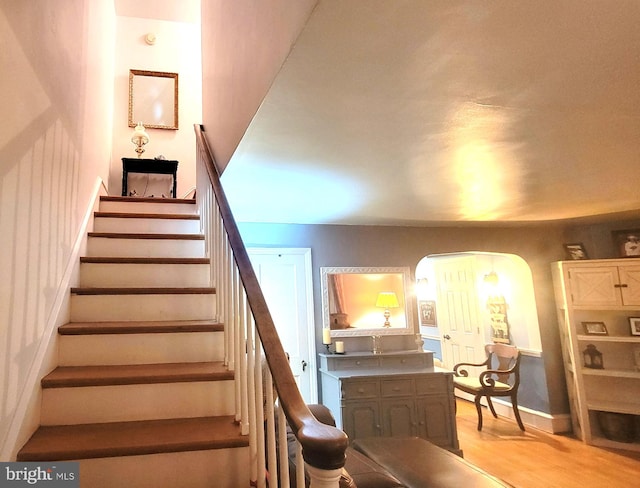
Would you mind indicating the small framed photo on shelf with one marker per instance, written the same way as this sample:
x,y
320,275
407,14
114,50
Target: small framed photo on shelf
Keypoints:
x,y
575,251
634,322
595,328
627,242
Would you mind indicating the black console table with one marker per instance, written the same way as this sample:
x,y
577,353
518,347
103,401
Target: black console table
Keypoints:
x,y
155,166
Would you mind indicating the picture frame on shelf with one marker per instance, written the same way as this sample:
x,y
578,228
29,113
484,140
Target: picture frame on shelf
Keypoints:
x,y
627,242
595,328
575,251
634,323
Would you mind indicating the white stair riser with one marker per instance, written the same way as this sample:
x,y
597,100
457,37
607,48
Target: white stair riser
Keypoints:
x,y
219,468
119,403
145,248
146,226
113,349
111,308
143,275
149,207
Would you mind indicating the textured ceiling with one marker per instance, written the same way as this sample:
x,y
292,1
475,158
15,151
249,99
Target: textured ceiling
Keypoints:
x,y
417,112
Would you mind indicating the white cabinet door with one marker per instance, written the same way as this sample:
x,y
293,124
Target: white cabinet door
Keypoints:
x,y
595,286
630,284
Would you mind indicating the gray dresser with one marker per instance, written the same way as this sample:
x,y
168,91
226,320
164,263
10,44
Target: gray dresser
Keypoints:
x,y
394,394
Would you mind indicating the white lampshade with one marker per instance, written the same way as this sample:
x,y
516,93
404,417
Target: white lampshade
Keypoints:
x,y
139,138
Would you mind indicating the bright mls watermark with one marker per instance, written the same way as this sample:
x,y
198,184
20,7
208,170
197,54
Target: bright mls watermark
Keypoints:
x,y
49,475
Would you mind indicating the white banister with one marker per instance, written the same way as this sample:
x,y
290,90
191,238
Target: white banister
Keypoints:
x,y
248,331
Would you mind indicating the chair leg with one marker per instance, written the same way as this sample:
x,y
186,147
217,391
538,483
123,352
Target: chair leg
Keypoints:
x,y
493,410
516,412
479,409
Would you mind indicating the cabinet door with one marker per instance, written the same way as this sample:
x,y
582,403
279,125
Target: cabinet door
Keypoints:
x,y
398,418
361,419
630,281
435,419
595,286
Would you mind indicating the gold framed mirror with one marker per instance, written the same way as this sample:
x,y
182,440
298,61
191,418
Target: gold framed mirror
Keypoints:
x,y
153,99
356,301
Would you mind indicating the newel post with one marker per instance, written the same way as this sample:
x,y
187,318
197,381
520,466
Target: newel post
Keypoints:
x,y
323,478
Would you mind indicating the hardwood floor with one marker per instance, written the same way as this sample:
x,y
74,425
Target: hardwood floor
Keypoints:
x,y
535,459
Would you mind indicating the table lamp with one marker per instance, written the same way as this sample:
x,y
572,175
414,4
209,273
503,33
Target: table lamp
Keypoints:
x,y
387,300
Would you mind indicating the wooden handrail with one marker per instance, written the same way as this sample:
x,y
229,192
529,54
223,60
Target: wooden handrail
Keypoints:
x,y
323,446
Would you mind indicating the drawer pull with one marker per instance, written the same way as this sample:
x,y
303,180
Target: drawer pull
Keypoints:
x,y
358,363
360,390
395,388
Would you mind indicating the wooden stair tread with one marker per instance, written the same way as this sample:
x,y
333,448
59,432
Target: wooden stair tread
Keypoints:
x,y
68,442
129,235
114,198
143,291
130,374
146,327
120,260
132,215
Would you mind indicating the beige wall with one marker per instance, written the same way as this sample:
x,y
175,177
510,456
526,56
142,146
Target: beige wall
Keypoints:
x,y
55,144
177,50
244,44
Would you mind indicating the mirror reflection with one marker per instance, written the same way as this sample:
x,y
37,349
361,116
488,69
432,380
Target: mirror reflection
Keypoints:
x,y
153,99
363,301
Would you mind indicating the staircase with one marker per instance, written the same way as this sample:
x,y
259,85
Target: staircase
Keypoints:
x,y
141,396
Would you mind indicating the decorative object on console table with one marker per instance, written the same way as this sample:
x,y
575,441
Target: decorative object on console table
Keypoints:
x,y
326,338
575,251
592,357
634,322
149,166
339,347
627,242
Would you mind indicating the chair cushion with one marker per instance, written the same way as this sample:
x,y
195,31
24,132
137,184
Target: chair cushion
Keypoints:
x,y
470,383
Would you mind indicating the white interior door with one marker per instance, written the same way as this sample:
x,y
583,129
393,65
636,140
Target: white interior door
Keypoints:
x,y
285,276
462,337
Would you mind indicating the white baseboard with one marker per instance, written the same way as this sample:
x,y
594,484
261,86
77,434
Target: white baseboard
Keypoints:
x,y
552,424
26,417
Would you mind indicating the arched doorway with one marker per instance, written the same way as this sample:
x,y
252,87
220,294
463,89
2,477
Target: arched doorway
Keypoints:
x,y
469,299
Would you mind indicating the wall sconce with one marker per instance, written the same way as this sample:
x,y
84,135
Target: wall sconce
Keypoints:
x,y
139,138
387,300
491,278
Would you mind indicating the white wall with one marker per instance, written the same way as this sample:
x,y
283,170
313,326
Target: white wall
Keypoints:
x,y
177,50
55,145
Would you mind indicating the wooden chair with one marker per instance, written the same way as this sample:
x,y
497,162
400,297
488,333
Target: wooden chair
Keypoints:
x,y
502,381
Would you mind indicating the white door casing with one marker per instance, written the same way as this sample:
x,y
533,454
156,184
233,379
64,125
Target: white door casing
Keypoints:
x,y
285,275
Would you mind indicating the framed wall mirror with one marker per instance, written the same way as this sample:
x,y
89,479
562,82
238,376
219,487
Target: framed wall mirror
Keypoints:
x,y
366,301
153,99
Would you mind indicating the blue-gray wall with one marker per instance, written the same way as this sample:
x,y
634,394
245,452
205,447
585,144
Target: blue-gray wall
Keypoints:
x,y
343,245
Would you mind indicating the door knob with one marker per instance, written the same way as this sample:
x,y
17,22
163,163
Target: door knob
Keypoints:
x,y
447,336
304,365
